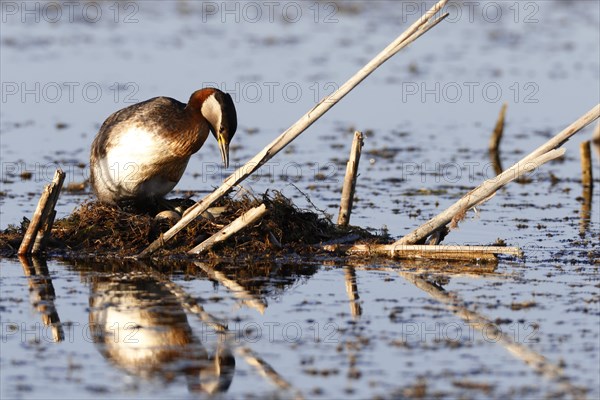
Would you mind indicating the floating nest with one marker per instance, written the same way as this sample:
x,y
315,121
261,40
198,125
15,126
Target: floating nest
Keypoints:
x,y
98,229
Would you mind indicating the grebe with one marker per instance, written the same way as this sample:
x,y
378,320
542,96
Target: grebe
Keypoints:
x,y
141,151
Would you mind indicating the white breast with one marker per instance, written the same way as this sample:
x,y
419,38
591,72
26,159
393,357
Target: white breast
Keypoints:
x,y
126,166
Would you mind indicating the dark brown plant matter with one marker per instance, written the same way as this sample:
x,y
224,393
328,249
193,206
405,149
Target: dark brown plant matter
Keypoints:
x,y
99,229
263,278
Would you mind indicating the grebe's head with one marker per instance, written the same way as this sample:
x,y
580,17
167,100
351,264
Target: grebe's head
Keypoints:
x,y
218,109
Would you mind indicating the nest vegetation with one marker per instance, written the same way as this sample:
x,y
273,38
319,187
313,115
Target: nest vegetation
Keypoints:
x,y
99,229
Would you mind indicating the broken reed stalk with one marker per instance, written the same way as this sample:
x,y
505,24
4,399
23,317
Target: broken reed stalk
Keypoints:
x,y
350,180
40,226
496,162
35,223
46,229
441,252
586,164
44,234
241,222
498,130
494,146
480,194
487,189
415,31
587,182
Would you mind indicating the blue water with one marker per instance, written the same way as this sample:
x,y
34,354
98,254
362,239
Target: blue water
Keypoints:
x,y
432,107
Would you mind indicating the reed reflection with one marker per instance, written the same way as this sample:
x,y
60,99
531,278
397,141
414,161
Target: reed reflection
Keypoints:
x,y
42,294
139,318
141,326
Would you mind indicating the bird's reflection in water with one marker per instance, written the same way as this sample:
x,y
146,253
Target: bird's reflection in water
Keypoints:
x,y
140,325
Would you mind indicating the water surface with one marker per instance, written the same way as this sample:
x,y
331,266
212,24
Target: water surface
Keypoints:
x,y
427,114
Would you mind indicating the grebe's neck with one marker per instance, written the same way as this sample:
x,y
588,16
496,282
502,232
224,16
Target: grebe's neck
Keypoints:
x,y
197,127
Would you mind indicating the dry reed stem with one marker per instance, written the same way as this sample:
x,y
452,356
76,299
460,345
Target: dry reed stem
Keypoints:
x,y
243,221
441,252
542,154
587,182
350,180
477,196
41,222
586,164
494,146
415,31
498,130
44,234
35,223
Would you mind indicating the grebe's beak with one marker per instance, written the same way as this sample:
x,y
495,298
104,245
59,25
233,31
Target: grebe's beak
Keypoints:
x,y
224,148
